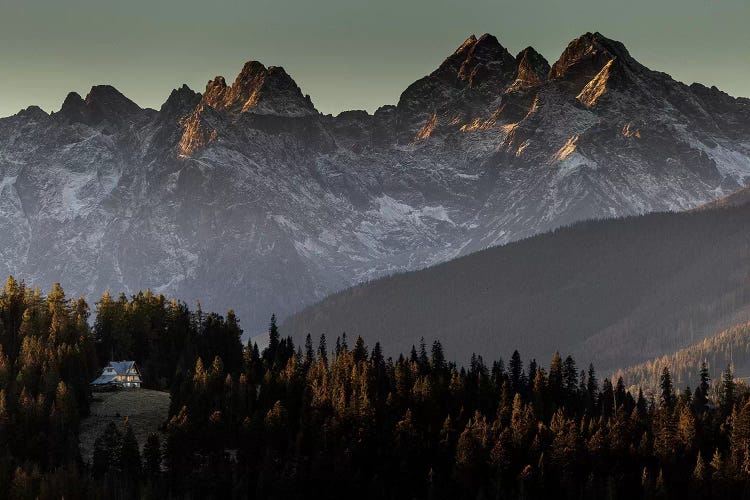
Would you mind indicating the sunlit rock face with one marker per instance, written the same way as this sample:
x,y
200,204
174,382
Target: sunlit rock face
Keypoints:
x,y
246,197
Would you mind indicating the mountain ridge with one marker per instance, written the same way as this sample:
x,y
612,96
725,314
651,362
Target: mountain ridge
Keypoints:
x,y
295,204
615,291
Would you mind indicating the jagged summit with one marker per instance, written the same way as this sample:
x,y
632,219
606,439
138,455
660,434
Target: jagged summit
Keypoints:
x,y
103,102
476,61
106,102
473,76
73,107
180,101
533,68
585,57
259,90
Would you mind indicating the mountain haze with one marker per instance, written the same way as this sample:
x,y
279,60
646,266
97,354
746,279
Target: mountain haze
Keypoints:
x,y
248,197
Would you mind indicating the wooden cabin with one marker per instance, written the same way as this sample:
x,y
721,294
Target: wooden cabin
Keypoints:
x,y
118,375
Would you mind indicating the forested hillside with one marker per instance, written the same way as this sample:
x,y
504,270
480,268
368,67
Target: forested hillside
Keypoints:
x,y
48,356
730,347
615,291
338,419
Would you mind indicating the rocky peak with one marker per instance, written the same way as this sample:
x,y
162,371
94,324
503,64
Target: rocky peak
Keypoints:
x,y
180,102
533,68
452,64
106,102
73,108
477,61
475,74
34,113
259,90
103,102
487,62
585,57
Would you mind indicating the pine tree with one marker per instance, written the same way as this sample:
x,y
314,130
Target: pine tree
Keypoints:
x,y
360,350
555,378
344,343
437,358
700,398
376,356
424,361
129,457
107,450
468,459
152,456
592,384
739,439
515,372
727,390
666,396
717,467
570,375
607,399
529,379
66,406
660,488
271,352
100,459
699,472
323,348
686,430
309,353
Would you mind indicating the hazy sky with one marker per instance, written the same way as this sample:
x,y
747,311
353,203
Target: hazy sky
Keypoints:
x,y
347,54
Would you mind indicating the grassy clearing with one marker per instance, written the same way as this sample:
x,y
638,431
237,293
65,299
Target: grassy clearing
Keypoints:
x,y
145,409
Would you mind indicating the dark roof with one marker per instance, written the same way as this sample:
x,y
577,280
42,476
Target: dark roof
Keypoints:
x,y
120,368
104,380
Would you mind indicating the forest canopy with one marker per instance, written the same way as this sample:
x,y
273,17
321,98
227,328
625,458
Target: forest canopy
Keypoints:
x,y
335,418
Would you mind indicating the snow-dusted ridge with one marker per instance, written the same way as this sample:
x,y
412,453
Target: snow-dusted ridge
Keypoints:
x,y
247,197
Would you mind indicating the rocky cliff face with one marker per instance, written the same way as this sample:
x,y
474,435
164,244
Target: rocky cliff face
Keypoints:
x,y
247,197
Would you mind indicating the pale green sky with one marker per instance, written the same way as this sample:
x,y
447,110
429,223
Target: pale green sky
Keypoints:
x,y
347,54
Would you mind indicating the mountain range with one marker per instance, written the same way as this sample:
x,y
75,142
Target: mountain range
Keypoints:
x,y
247,196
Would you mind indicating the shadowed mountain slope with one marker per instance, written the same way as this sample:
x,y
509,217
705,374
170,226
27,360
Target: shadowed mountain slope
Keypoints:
x,y
615,292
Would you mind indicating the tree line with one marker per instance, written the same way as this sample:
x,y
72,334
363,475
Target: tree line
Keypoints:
x,y
730,347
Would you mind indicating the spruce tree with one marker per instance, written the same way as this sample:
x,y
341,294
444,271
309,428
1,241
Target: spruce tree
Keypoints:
x,y
152,456
129,457
424,361
555,378
377,355
360,350
700,398
699,472
727,390
309,353
515,372
323,348
437,357
666,395
270,353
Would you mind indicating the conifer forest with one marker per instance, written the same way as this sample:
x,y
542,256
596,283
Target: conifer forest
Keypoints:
x,y
335,418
